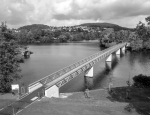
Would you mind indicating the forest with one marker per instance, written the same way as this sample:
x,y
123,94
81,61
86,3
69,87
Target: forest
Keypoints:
x,y
39,33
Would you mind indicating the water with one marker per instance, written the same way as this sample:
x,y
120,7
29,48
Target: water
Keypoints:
x,y
47,59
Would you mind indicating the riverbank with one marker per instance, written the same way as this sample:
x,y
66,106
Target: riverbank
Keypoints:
x,y
100,102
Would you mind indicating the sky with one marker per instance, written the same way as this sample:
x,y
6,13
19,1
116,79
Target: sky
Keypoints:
x,y
126,13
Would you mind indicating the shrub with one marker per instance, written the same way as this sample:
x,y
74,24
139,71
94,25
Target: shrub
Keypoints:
x,y
141,81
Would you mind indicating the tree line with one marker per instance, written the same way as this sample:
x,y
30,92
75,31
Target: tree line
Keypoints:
x,y
138,39
48,36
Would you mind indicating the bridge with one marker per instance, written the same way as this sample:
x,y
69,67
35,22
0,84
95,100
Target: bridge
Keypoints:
x,y
49,85
54,81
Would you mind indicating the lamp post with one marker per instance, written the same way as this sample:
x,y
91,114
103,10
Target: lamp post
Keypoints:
x,y
13,110
110,84
128,90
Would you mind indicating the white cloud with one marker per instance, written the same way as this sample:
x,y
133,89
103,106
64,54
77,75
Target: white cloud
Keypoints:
x,y
70,12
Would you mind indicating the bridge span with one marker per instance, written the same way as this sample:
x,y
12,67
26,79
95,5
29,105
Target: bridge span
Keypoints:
x,y
54,81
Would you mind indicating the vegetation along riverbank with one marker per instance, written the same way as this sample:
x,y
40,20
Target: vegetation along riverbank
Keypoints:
x,y
139,38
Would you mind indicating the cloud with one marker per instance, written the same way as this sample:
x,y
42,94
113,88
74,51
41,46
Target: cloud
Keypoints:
x,y
70,12
15,11
108,9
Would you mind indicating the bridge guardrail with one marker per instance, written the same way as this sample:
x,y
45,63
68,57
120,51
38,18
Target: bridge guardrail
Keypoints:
x,y
61,72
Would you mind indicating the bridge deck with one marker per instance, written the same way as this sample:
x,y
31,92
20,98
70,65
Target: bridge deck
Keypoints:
x,y
61,74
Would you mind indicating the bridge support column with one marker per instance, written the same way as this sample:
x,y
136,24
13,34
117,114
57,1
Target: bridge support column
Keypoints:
x,y
109,58
123,48
89,72
108,65
52,91
88,82
118,52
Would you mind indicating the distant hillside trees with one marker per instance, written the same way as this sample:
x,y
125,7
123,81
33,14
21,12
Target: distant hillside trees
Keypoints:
x,y
48,36
101,26
34,27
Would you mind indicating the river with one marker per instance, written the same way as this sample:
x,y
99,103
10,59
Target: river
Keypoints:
x,y
47,59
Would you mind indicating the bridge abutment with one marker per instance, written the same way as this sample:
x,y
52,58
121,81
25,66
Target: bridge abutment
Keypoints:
x,y
52,91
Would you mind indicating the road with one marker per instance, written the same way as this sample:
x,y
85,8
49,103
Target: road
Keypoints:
x,y
24,102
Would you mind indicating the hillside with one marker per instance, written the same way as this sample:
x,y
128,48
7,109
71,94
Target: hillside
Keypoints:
x,y
106,25
34,26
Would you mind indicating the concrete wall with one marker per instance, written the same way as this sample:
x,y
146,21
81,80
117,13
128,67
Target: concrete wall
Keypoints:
x,y
52,91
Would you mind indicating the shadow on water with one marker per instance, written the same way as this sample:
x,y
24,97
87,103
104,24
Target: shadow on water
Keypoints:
x,y
138,99
103,76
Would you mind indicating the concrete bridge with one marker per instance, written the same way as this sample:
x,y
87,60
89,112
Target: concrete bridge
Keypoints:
x,y
54,81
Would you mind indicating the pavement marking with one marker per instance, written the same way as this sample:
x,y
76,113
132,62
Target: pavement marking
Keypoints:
x,y
34,98
26,107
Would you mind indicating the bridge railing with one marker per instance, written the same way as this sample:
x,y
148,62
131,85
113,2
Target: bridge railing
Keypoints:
x,y
63,71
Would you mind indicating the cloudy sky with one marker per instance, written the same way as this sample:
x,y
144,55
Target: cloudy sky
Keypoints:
x,y
125,13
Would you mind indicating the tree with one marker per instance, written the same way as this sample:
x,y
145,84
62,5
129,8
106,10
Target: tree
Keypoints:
x,y
141,81
148,20
62,38
143,32
30,38
9,64
22,36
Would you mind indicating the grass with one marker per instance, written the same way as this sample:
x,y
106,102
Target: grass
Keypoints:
x,y
139,98
6,99
101,102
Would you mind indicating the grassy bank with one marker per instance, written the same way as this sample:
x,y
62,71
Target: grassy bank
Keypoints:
x,y
139,98
6,99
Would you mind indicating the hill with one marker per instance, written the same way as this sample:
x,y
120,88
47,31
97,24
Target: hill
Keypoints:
x,y
106,25
34,26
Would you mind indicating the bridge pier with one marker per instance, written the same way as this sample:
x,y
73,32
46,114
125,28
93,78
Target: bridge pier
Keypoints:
x,y
52,91
108,62
123,48
89,72
109,58
118,52
108,65
88,82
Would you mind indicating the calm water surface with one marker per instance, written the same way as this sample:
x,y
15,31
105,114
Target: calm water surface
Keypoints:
x,y
47,59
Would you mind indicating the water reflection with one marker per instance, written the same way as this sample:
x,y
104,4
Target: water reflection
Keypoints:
x,y
89,82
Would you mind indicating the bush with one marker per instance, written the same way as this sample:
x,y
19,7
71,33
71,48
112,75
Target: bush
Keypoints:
x,y
141,81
